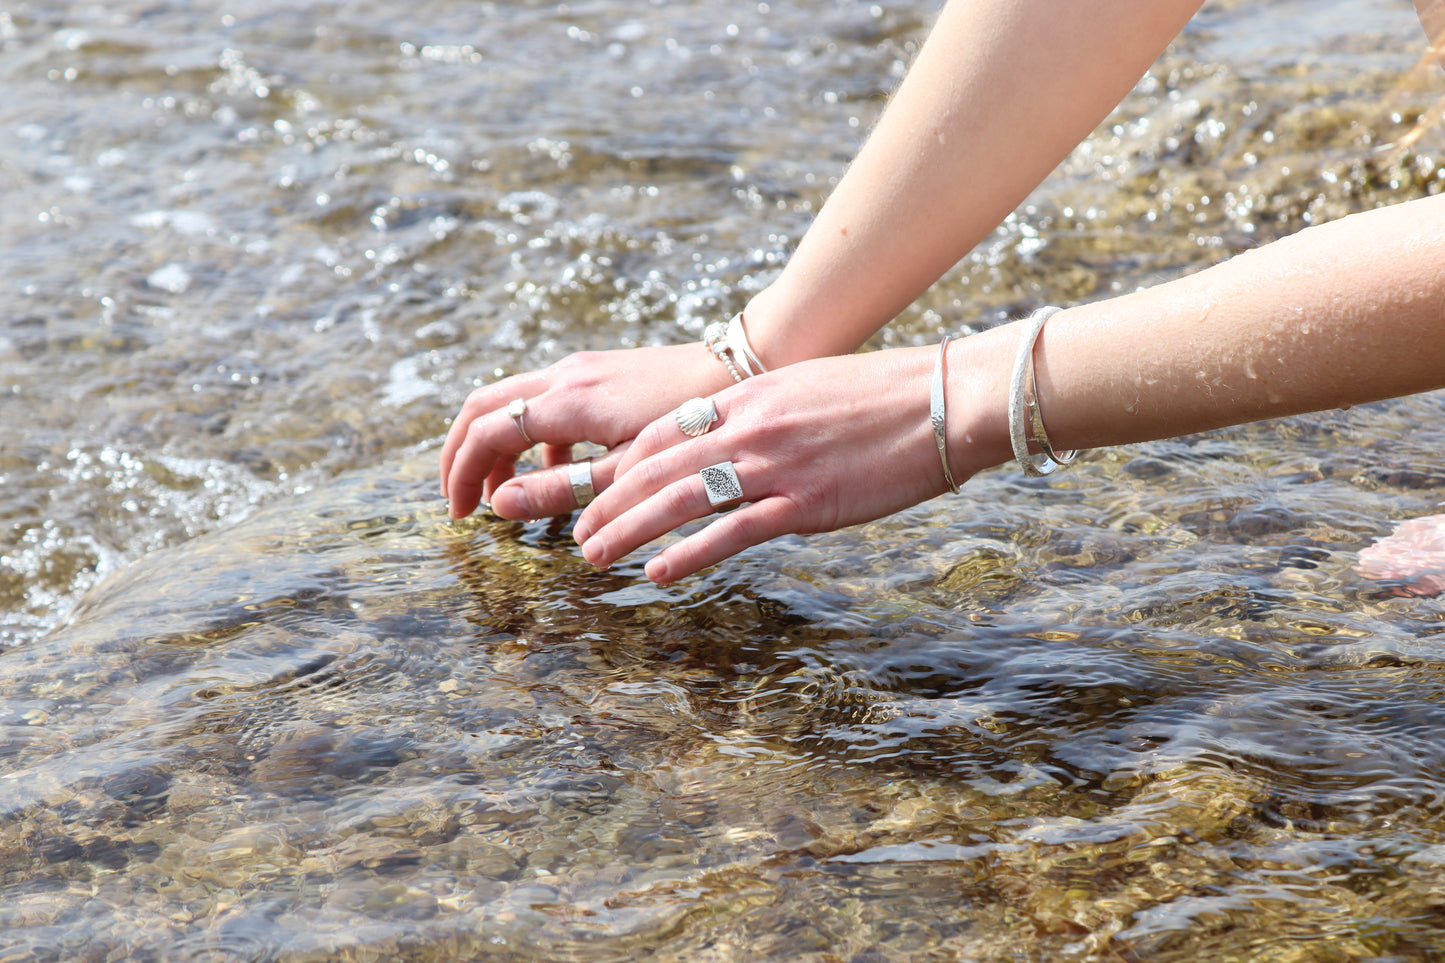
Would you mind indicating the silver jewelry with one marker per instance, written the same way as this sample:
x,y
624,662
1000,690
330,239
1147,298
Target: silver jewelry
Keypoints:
x,y
938,414
579,473
743,352
1025,417
516,408
695,416
715,336
721,483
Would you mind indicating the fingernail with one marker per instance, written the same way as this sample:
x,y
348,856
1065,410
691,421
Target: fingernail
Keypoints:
x,y
514,499
593,556
581,533
657,571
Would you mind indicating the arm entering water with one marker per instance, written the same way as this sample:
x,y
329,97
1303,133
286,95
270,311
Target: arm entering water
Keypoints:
x,y
1341,314
999,94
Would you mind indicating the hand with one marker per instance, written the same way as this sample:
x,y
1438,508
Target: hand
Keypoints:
x,y
817,446
603,397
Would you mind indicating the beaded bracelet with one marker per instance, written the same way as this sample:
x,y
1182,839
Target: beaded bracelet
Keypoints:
x,y
715,336
728,341
1025,415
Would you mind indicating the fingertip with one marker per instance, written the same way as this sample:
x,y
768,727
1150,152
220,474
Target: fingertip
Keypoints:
x,y
659,571
596,555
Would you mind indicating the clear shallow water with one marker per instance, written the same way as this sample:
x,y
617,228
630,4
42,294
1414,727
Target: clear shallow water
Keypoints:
x,y
255,258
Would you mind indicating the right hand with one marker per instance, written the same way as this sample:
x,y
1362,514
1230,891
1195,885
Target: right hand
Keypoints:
x,y
603,397
824,444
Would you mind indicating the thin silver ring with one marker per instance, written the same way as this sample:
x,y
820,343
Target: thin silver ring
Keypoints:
x,y
721,483
695,416
579,473
516,408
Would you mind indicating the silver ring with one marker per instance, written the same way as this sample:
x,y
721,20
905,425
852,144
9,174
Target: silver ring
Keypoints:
x,y
722,485
516,408
695,416
579,473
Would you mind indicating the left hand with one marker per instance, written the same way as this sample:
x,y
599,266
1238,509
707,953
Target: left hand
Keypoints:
x,y
818,446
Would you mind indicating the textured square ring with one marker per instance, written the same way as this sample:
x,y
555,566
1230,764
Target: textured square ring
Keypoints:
x,y
720,481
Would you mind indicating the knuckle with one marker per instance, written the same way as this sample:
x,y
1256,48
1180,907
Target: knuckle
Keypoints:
x,y
479,399
678,501
576,365
652,474
476,431
650,437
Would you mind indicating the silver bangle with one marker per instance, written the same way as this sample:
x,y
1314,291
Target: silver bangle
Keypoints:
x,y
715,336
938,414
743,352
1025,416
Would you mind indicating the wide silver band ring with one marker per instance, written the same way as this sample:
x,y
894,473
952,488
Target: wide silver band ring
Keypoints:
x,y
516,408
579,473
695,416
721,483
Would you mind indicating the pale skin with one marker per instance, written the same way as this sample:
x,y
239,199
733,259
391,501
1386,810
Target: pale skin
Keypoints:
x,y
1000,93
1337,315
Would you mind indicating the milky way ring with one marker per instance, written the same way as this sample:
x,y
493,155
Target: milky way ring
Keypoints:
x,y
721,483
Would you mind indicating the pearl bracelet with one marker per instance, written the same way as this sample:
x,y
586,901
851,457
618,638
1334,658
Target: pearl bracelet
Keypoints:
x,y
1025,415
728,341
715,336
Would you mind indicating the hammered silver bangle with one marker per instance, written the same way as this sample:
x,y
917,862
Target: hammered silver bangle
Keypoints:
x,y
1025,416
938,414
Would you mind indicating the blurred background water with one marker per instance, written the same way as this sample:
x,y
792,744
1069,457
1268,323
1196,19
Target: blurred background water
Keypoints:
x,y
260,700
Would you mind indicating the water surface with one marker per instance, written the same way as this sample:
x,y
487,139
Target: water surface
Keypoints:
x,y
262,701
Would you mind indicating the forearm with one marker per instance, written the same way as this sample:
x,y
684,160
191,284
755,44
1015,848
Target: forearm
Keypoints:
x,y
1342,314
1000,93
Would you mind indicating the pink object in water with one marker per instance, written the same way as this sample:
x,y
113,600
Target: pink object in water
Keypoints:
x,y
1414,554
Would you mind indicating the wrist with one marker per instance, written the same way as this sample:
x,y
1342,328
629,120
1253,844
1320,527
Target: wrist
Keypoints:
x,y
976,385
786,325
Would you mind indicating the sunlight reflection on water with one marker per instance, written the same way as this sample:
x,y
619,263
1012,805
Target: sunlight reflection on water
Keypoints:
x,y
261,701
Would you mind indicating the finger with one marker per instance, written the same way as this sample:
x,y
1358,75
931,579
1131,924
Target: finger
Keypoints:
x,y
548,492
654,502
487,439
501,472
658,436
654,459
731,533
554,455
480,402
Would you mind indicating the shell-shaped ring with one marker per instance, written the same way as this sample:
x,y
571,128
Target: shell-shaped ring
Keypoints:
x,y
695,416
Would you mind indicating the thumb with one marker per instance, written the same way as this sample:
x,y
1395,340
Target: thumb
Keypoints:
x,y
548,492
